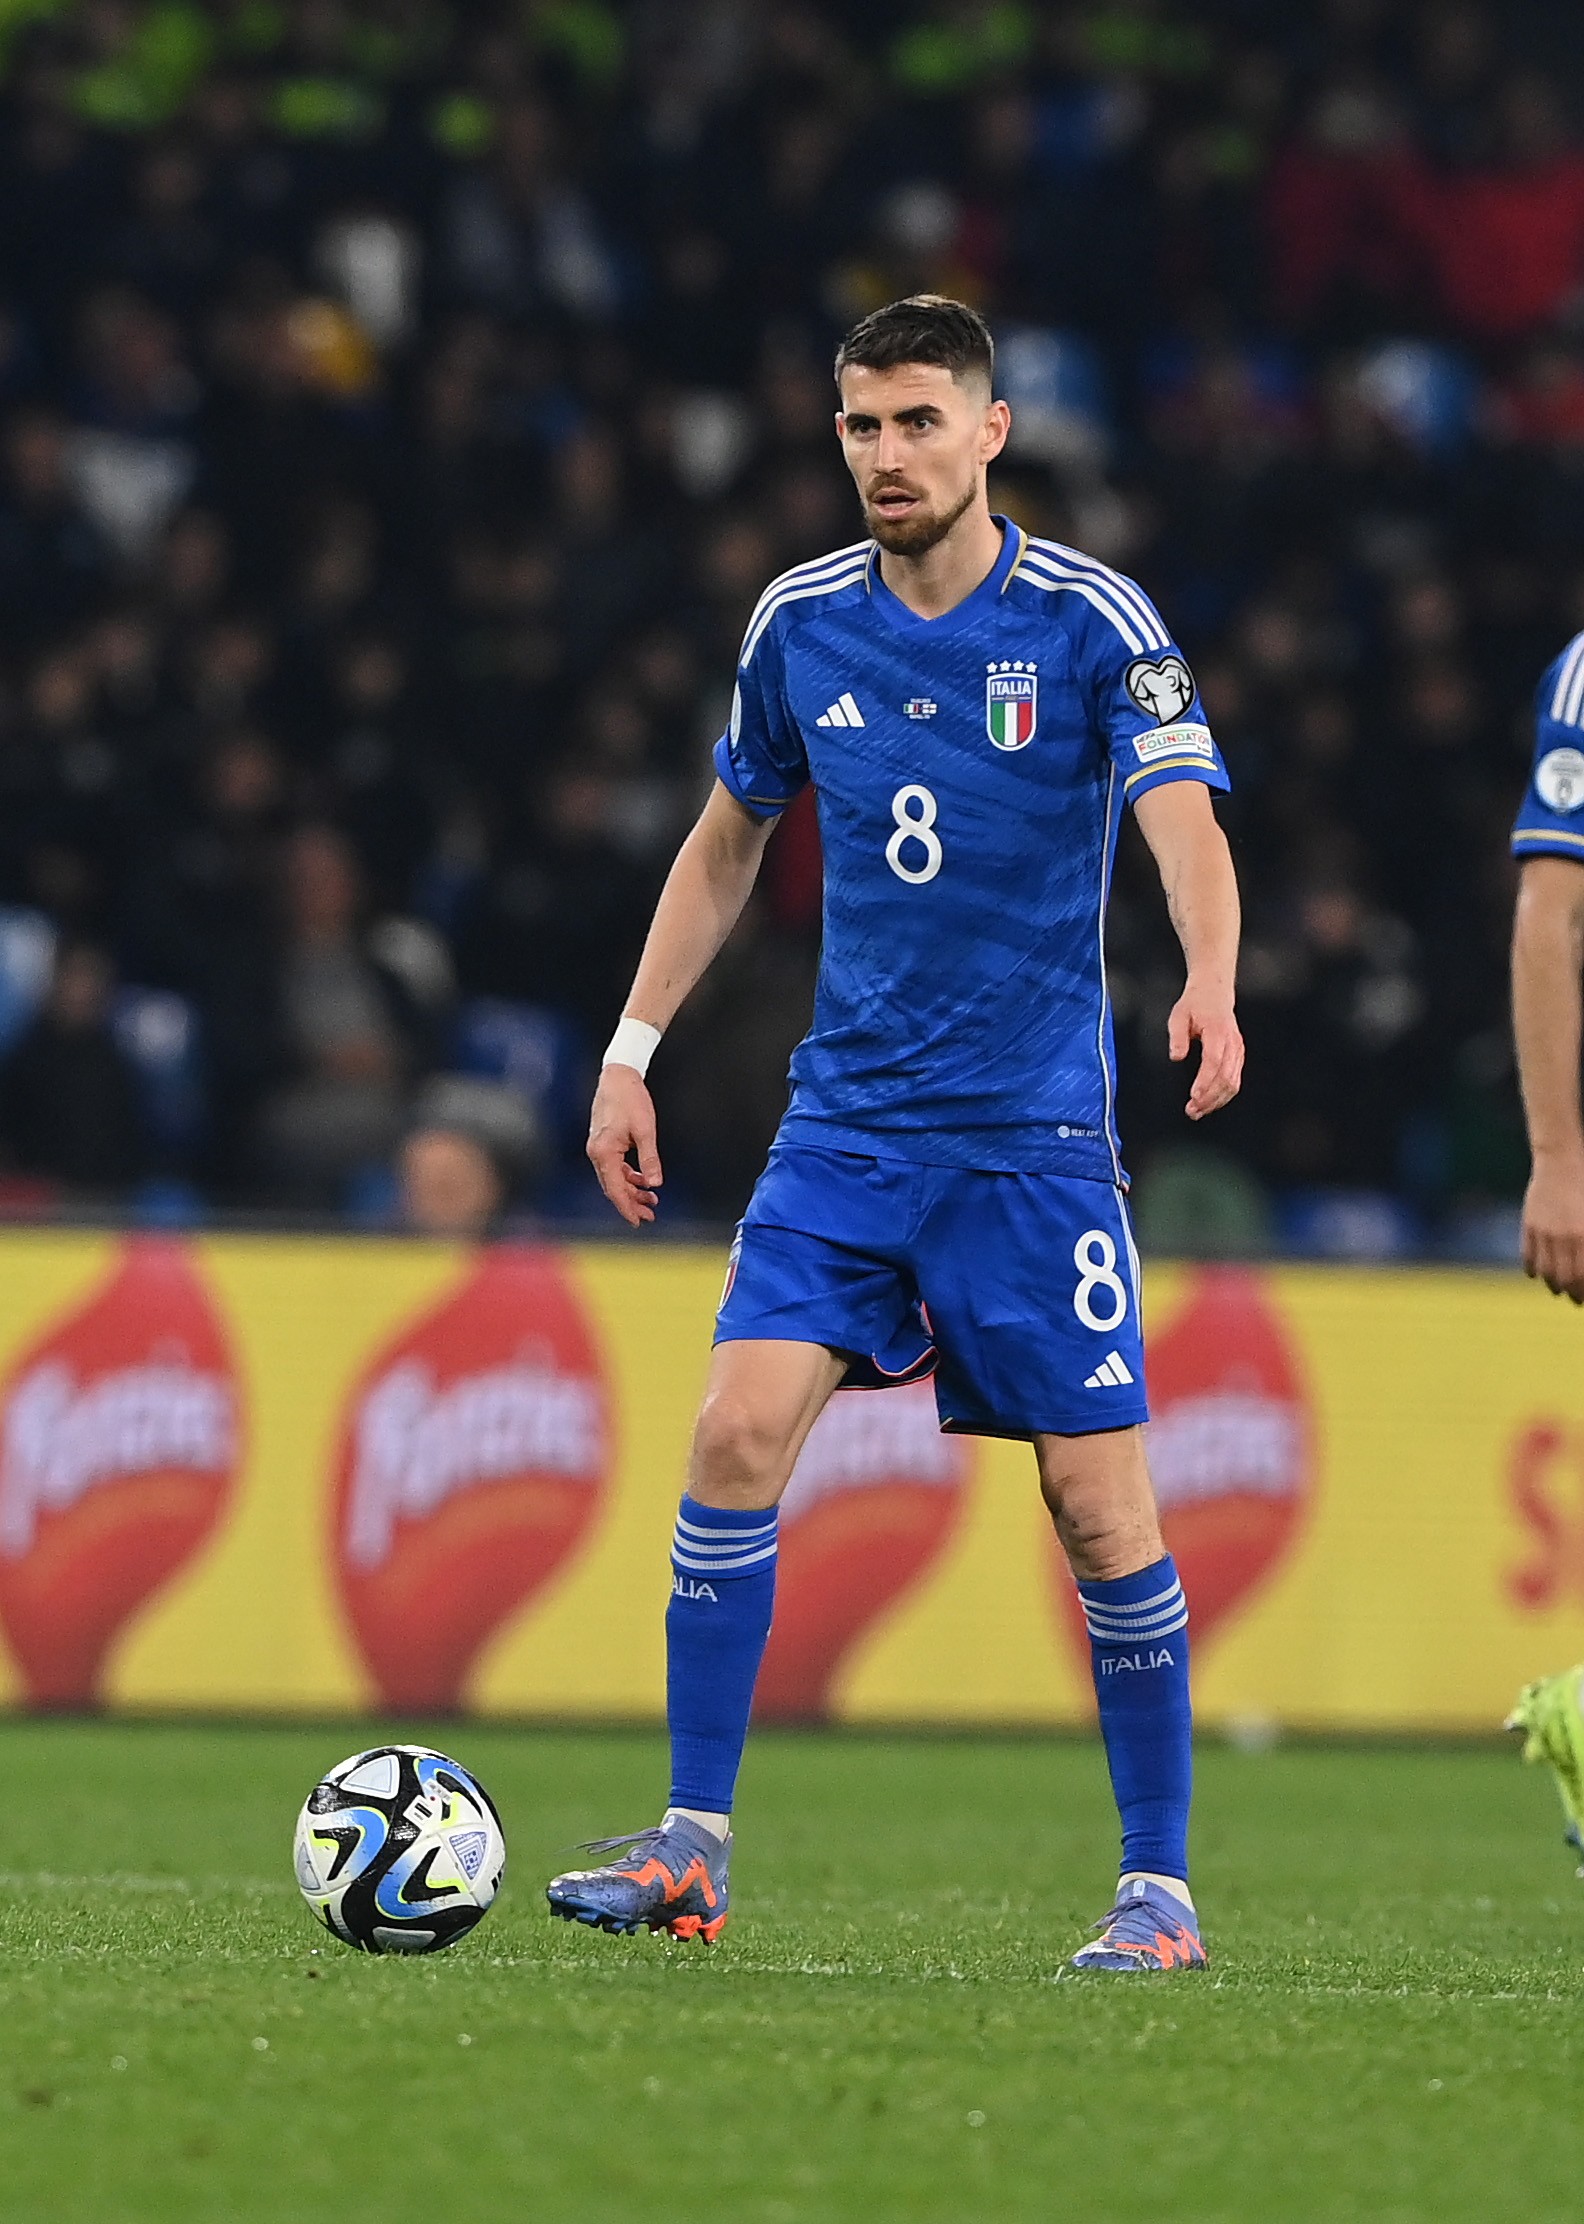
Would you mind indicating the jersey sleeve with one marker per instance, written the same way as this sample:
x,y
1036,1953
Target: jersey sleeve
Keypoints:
x,y
760,757
1144,698
1550,819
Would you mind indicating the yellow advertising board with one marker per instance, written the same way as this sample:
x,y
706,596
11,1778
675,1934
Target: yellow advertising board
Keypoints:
x,y
291,1475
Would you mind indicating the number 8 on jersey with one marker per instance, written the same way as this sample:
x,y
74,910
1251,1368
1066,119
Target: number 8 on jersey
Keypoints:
x,y
914,810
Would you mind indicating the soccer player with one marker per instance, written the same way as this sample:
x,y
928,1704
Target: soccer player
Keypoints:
x,y
972,708
1548,978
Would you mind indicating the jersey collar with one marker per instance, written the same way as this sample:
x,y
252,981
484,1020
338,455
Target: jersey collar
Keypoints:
x,y
972,607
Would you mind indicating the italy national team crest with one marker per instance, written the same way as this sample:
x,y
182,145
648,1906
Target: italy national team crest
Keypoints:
x,y
1011,703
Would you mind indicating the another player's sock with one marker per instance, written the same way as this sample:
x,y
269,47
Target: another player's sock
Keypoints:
x,y
1138,1638
722,1594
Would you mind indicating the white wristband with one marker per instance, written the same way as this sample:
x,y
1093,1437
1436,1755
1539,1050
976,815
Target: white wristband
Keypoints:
x,y
633,1044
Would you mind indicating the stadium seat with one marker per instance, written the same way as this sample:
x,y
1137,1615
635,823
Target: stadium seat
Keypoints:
x,y
536,1051
1348,1224
1056,386
158,1032
27,957
1427,394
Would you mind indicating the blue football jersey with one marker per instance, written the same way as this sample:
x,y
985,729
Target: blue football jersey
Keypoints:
x,y
1551,815
969,772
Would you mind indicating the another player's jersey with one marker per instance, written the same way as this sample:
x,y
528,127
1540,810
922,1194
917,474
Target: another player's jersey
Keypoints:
x,y
1551,815
970,772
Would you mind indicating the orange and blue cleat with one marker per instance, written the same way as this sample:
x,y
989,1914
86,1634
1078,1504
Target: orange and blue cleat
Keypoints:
x,y
1149,1929
670,1879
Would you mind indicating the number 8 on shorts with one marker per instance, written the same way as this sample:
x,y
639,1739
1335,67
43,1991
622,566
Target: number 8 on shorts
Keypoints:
x,y
1095,1257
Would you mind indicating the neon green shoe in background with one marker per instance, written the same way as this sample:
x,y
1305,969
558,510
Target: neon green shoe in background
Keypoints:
x,y
1550,1718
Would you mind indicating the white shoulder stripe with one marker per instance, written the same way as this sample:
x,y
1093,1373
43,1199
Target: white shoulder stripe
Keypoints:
x,y
1137,616
768,608
815,568
1127,591
1567,699
1144,626
1091,594
1048,572
1573,703
1062,558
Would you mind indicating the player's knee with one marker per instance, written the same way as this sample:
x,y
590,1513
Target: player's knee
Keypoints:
x,y
1103,1533
1097,1554
739,1455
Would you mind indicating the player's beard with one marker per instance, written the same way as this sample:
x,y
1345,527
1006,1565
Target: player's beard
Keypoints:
x,y
921,530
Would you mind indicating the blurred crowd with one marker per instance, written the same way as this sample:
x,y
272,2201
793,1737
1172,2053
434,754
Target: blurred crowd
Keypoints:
x,y
402,406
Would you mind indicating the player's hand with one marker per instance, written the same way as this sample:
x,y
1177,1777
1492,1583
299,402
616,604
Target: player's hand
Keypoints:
x,y
1205,1018
623,1121
1553,1225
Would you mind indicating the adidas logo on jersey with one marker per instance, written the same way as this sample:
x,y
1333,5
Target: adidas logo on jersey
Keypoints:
x,y
844,712
1111,1374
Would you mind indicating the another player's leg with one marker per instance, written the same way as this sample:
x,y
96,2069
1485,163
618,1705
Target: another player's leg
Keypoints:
x,y
1100,1499
761,1402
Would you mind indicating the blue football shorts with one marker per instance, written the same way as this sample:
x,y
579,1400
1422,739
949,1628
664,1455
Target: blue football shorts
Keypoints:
x,y
1018,1292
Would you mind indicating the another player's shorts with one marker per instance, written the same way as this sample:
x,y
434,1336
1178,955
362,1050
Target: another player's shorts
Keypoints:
x,y
1018,1292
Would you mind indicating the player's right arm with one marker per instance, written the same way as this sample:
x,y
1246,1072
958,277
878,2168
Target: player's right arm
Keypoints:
x,y
760,766
701,902
1548,1026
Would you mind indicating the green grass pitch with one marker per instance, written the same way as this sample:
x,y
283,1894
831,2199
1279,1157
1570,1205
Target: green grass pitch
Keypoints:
x,y
1393,2027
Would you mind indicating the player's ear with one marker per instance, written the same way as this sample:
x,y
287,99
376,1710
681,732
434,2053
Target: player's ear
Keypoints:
x,y
993,437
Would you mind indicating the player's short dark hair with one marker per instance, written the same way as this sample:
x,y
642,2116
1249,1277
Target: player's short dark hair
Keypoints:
x,y
925,328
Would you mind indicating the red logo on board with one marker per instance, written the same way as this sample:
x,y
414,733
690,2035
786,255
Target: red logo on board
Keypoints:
x,y
472,1461
872,1500
119,1443
1545,1477
1231,1446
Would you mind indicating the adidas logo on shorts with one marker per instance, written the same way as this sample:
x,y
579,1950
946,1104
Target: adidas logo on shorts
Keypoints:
x,y
1111,1374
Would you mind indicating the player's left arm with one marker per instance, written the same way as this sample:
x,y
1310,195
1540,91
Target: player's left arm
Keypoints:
x,y
1195,864
1548,977
1548,1028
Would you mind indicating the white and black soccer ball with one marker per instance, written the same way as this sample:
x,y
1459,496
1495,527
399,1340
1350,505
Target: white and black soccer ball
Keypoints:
x,y
399,1850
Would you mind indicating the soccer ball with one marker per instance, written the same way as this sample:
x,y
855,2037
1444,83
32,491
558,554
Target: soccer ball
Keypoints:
x,y
399,1851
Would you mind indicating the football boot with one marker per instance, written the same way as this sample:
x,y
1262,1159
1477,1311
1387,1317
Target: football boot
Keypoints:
x,y
1549,1717
670,1879
1149,1929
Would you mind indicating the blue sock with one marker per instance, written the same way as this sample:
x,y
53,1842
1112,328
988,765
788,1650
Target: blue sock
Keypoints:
x,y
722,1594
1138,1638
